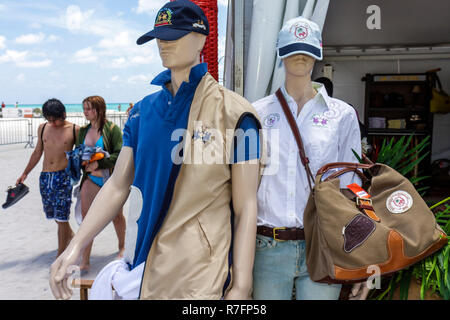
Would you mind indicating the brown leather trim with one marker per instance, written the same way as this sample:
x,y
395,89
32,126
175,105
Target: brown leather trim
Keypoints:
x,y
282,234
352,165
397,259
372,215
297,136
367,208
341,172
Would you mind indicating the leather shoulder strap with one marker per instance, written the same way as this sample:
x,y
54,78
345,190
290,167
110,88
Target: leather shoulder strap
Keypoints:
x,y
297,136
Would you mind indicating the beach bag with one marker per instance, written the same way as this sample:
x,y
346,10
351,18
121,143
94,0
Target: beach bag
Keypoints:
x,y
380,227
440,100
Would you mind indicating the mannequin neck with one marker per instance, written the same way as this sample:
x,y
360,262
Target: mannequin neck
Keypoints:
x,y
180,74
300,88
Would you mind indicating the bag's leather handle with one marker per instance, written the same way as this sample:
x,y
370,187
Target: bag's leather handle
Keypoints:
x,y
341,172
350,165
297,136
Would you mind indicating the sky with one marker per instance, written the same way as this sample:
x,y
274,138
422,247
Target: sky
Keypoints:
x,y
73,49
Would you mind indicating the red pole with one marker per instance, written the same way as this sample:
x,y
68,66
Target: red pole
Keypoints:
x,y
210,51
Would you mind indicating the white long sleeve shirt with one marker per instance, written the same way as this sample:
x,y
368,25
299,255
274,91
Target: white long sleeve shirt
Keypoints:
x,y
330,130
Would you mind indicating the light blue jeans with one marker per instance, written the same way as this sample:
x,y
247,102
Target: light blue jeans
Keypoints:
x,y
280,264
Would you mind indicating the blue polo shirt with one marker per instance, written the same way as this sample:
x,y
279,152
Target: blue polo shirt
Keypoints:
x,y
148,132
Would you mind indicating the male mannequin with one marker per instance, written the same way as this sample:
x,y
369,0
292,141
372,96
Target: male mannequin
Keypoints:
x,y
181,56
330,131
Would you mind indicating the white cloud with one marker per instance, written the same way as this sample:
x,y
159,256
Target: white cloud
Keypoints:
x,y
149,6
20,58
13,56
31,38
140,78
75,18
85,55
2,42
141,59
114,78
121,62
78,21
122,39
35,25
53,38
126,61
35,64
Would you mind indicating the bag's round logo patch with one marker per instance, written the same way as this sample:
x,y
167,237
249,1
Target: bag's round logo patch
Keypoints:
x,y
399,202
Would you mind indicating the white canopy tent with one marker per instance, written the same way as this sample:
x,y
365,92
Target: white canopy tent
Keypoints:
x,y
413,36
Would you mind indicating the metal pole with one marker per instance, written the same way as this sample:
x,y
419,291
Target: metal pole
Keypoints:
x,y
238,8
30,135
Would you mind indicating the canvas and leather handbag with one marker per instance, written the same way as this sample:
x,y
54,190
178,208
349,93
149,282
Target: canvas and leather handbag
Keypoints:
x,y
381,226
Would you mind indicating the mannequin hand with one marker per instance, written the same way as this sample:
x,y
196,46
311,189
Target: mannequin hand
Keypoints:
x,y
61,270
359,291
237,294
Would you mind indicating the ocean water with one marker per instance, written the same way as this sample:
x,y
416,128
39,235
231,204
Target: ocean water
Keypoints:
x,y
75,107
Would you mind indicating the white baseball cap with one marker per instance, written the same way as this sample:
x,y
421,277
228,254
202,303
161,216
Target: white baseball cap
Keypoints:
x,y
300,36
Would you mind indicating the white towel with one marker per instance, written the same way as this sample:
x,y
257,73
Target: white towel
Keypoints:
x,y
117,275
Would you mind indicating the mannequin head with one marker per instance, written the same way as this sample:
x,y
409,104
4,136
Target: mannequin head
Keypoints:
x,y
183,52
299,45
299,65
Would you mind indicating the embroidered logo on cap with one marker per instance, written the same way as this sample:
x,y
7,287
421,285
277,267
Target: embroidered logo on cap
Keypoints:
x,y
164,17
399,202
300,30
271,119
199,24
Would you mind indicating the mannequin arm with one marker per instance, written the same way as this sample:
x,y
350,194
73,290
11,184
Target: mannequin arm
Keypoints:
x,y
103,210
244,187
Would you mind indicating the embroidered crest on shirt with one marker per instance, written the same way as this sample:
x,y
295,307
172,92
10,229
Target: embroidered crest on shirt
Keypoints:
x,y
334,110
202,133
271,119
319,120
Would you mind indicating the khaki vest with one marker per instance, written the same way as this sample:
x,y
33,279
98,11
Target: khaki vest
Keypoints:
x,y
189,256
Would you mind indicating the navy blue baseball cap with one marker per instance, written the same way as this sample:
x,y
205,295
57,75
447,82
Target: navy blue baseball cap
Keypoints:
x,y
175,20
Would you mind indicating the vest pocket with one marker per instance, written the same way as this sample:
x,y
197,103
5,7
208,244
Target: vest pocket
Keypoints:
x,y
204,238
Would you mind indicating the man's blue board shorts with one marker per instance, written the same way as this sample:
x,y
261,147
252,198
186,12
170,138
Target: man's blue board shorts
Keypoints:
x,y
56,193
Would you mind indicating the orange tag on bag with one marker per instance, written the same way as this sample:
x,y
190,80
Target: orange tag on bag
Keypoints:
x,y
364,205
358,191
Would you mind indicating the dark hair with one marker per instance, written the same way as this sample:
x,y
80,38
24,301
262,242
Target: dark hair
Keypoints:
x,y
54,108
98,103
327,83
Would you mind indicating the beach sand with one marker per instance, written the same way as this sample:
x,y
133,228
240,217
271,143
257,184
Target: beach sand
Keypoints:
x,y
28,241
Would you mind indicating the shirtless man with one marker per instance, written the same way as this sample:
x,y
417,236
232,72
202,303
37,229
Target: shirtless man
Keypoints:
x,y
54,138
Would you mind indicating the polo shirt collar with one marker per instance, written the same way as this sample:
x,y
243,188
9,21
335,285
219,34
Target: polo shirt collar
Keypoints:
x,y
196,74
321,94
